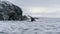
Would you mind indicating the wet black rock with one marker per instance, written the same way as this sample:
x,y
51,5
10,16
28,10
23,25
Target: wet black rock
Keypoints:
x,y
9,11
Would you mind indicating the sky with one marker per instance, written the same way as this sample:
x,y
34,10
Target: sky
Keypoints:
x,y
40,8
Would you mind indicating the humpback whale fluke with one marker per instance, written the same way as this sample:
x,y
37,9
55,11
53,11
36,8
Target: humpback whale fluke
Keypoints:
x,y
32,19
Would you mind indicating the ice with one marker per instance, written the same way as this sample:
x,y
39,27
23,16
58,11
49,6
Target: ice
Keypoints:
x,y
40,26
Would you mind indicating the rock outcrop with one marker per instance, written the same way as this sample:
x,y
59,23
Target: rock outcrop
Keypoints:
x,y
9,11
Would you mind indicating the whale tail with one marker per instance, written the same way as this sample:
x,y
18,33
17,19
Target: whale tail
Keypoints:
x,y
32,19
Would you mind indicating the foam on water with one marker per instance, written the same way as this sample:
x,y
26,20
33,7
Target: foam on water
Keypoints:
x,y
41,26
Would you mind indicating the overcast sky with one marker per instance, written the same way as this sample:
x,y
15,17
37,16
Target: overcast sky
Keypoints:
x,y
46,8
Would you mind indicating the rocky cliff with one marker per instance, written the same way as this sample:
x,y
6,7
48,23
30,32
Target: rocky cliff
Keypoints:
x,y
9,11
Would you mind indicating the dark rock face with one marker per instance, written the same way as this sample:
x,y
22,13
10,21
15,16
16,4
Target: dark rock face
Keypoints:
x,y
9,11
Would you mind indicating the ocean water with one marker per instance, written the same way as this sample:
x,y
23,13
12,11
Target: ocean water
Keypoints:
x,y
40,26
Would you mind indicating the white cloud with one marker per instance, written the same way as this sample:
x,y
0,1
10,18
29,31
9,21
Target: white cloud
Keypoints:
x,y
43,11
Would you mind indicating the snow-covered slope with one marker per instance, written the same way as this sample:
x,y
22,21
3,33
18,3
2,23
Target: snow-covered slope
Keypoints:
x,y
41,26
